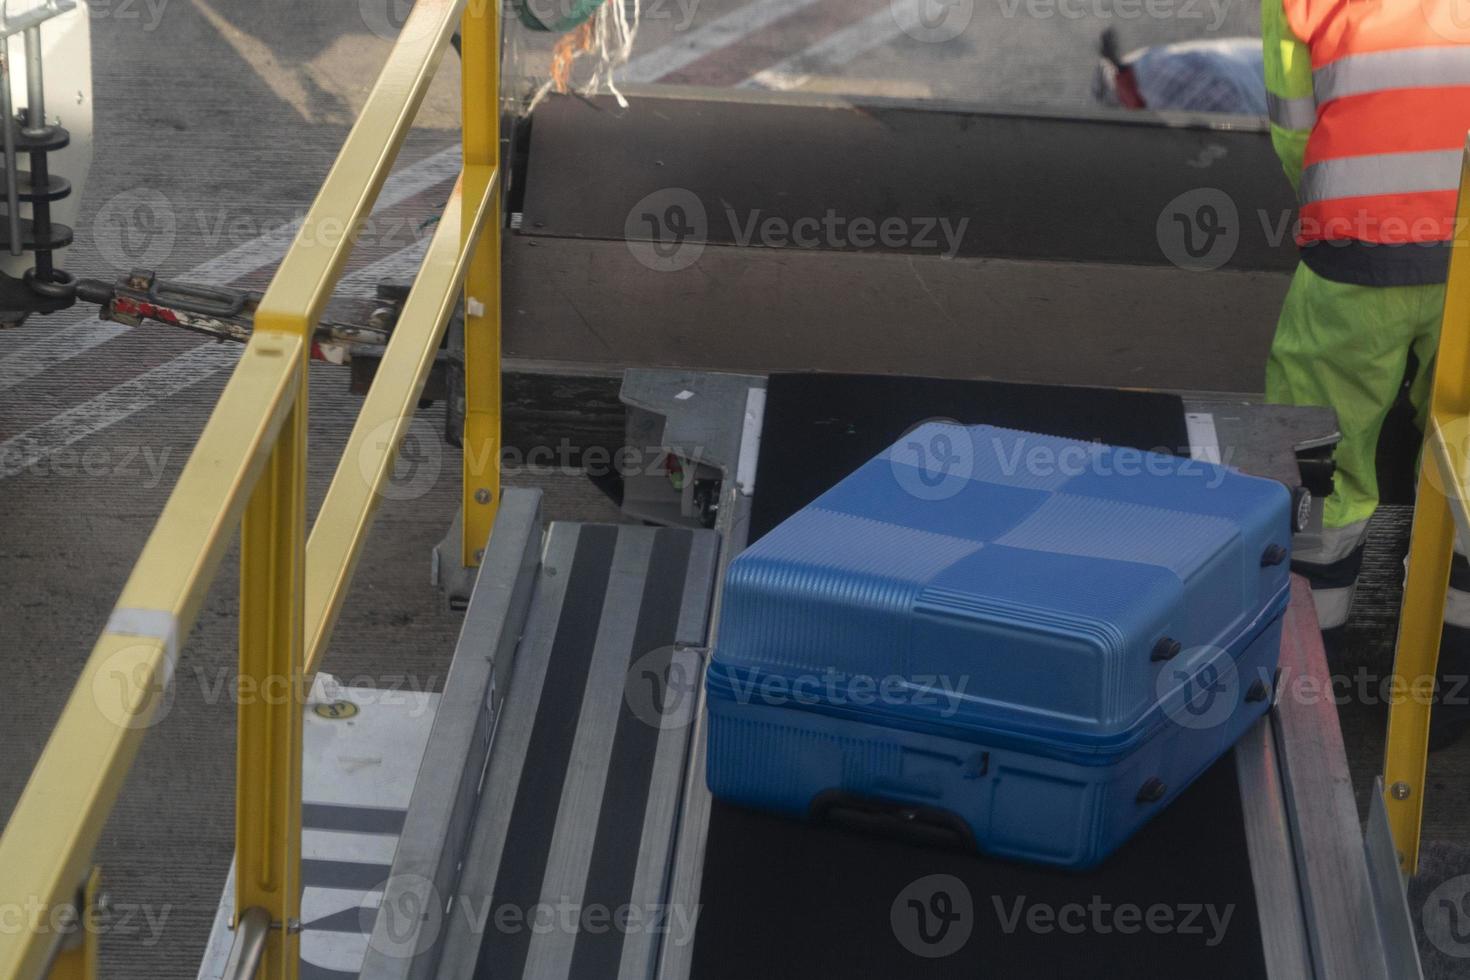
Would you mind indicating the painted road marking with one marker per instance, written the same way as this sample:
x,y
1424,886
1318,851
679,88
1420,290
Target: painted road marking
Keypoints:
x,y
26,449
832,51
718,33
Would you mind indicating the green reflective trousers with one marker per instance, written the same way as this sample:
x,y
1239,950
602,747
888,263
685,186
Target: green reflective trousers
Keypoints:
x,y
1347,347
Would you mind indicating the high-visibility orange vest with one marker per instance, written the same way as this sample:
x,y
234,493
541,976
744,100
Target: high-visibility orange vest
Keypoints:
x,y
1391,85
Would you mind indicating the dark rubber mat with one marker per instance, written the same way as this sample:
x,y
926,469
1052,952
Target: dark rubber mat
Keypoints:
x,y
826,903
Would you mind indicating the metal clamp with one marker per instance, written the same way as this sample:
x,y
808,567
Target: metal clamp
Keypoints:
x,y
249,948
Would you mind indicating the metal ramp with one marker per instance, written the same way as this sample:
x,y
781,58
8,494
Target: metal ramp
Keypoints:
x,y
567,839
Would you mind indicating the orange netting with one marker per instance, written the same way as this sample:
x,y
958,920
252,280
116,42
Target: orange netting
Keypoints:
x,y
568,49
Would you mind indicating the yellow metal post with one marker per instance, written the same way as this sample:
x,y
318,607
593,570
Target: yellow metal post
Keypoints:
x,y
480,34
78,957
1442,487
268,753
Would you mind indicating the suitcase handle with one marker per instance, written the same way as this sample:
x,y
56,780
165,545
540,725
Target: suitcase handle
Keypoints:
x,y
926,826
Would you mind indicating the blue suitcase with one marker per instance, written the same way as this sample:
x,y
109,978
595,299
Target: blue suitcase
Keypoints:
x,y
1039,640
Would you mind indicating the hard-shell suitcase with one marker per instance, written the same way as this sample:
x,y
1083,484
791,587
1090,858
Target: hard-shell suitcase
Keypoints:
x,y
1038,641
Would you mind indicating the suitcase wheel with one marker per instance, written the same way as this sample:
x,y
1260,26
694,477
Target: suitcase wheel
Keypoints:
x,y
1166,649
1152,791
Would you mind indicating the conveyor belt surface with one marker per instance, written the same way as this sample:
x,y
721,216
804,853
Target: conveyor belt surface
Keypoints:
x,y
582,785
786,899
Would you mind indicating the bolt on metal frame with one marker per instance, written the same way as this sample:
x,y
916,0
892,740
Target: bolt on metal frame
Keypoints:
x,y
248,470
1442,508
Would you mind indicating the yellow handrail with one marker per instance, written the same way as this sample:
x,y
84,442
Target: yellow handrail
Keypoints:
x,y
1440,508
346,512
248,471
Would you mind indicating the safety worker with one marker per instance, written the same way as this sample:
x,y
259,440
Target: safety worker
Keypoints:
x,y
1370,105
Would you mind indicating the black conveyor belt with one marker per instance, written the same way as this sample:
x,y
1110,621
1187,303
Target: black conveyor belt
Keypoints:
x,y
786,899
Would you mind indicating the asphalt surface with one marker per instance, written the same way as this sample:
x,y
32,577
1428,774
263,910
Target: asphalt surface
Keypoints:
x,y
215,122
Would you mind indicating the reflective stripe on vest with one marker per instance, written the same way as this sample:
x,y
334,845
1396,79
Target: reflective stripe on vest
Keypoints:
x,y
1379,71
1292,113
1381,173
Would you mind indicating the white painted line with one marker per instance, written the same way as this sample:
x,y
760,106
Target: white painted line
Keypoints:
x,y
21,452
1204,440
55,347
718,33
318,903
25,450
62,344
343,952
338,845
750,440
832,51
